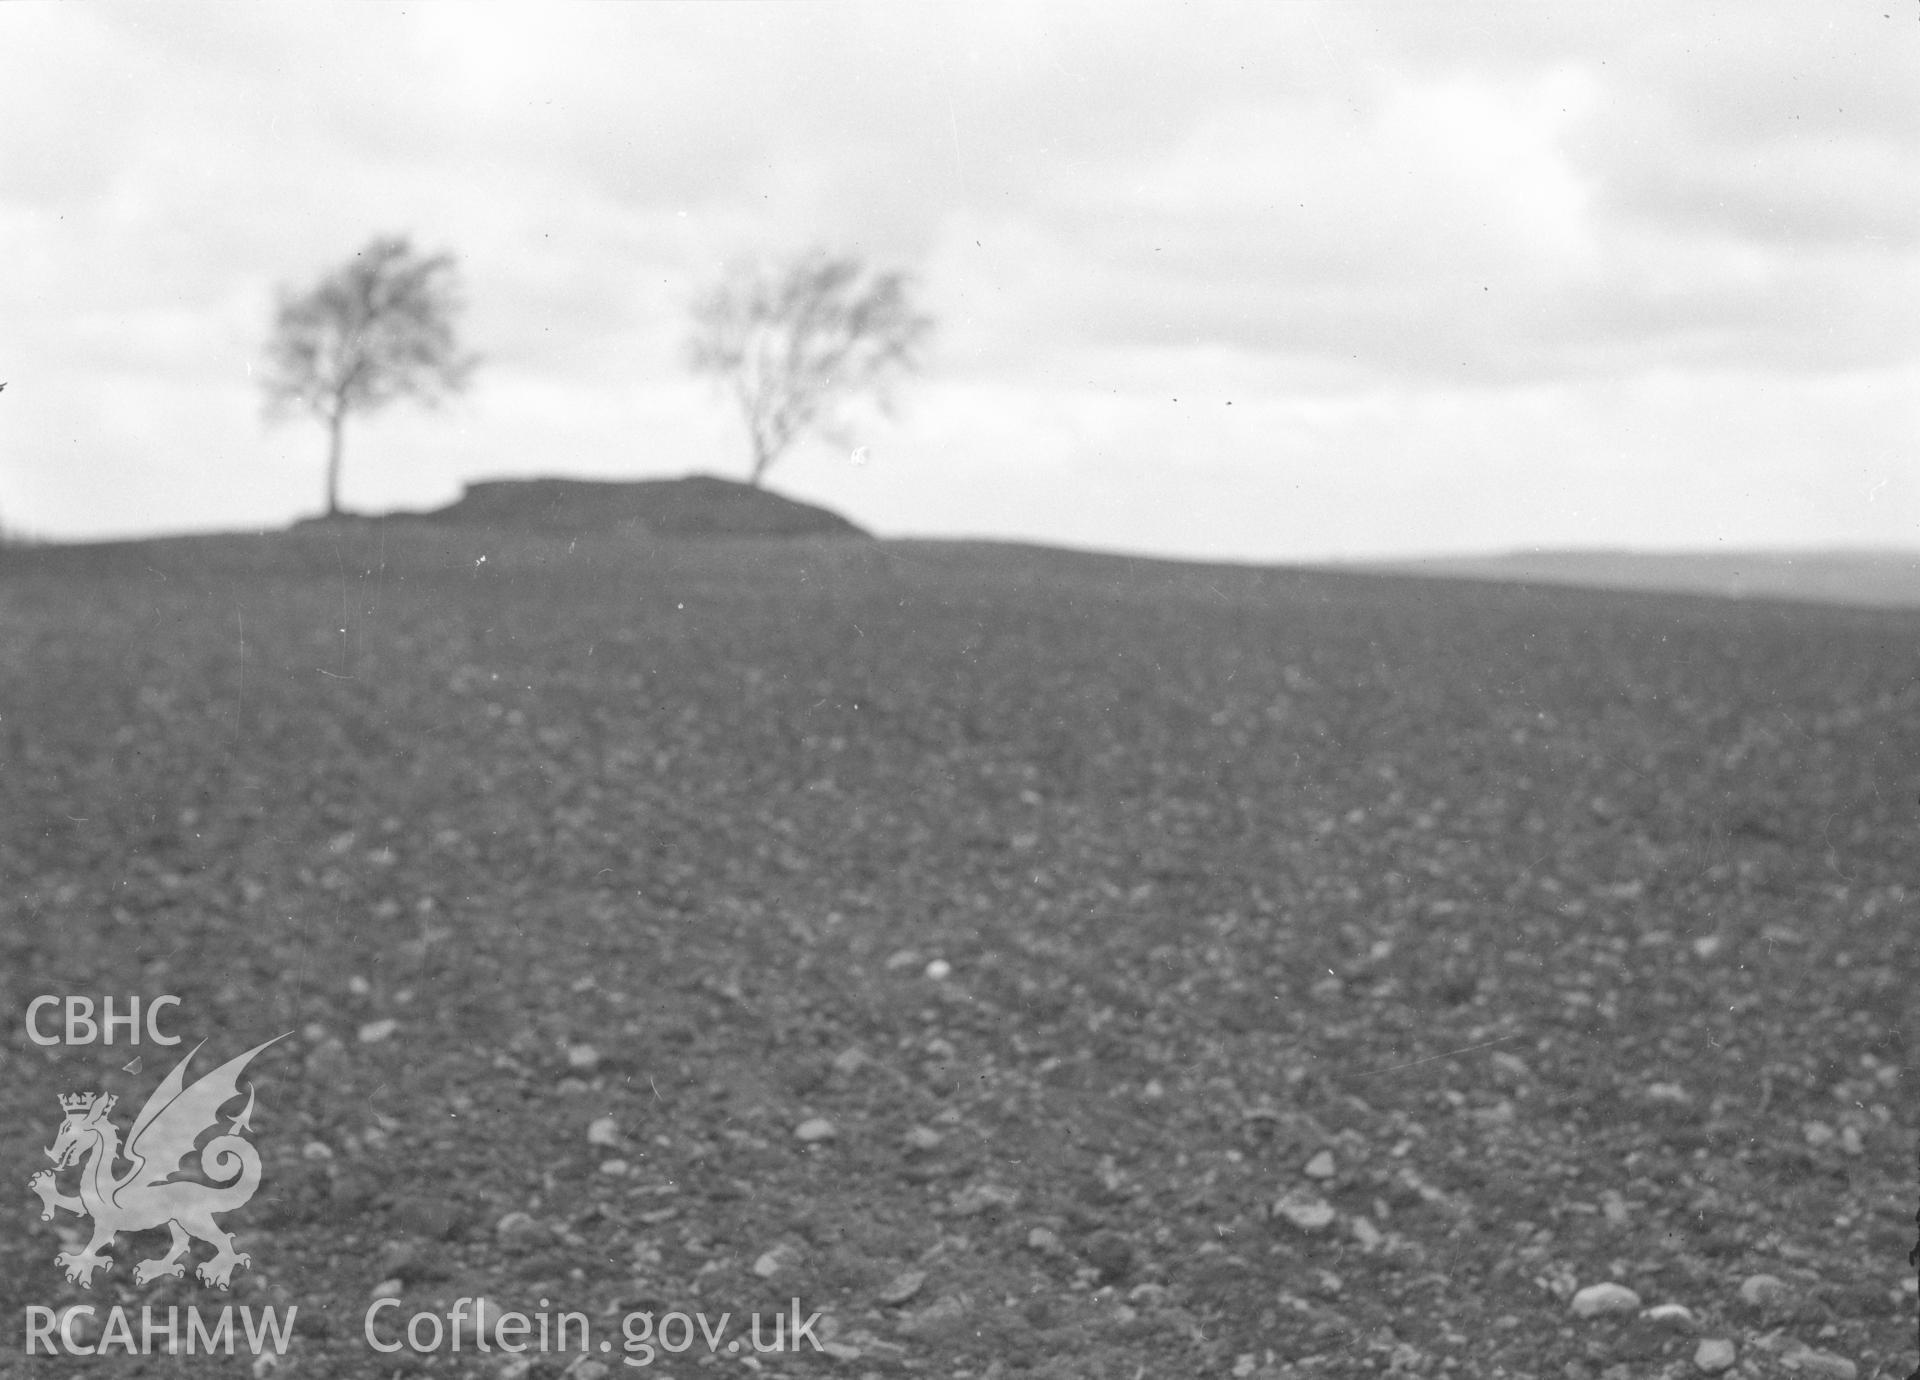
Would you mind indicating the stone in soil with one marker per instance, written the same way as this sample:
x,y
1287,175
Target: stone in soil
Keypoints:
x,y
399,1260
436,1219
518,1231
773,1262
1823,1365
903,1287
480,1319
1321,1166
1713,1355
849,1061
1110,1253
1598,1300
583,1058
814,1129
946,1310
977,1199
1762,1291
1306,1211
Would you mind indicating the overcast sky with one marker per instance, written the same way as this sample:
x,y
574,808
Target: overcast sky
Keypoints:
x,y
1271,282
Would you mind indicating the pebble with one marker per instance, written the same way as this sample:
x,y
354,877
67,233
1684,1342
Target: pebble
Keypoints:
x,y
903,1286
772,1262
1669,1092
1598,1299
583,1058
1761,1291
1706,946
1818,1134
1368,1235
517,1230
388,1289
327,1060
1321,1166
1671,1314
947,1309
1110,1253
939,969
1714,1355
1850,1140
1823,1364
373,1032
399,1260
614,1168
982,1198
604,1131
1512,1064
480,1319
814,1129
434,1218
1042,1240
1306,1211
924,1138
849,1061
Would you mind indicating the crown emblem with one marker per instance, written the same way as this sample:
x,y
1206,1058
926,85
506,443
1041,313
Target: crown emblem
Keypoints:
x,y
76,1102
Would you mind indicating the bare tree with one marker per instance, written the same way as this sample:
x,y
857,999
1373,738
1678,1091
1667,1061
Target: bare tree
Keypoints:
x,y
378,328
794,342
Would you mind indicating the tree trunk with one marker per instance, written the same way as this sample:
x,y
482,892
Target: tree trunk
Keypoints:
x,y
335,423
760,461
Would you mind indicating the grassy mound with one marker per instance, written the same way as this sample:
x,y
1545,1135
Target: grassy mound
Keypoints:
x,y
696,506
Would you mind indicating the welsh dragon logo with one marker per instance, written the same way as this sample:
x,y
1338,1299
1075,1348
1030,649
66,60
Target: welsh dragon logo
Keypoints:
x,y
148,1194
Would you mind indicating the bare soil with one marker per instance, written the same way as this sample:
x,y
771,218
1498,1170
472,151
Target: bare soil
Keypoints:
x,y
1198,971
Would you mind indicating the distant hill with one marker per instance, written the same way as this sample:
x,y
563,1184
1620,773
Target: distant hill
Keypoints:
x,y
1885,579
699,505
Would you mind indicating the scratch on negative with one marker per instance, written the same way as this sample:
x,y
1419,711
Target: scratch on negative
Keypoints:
x,y
1395,1068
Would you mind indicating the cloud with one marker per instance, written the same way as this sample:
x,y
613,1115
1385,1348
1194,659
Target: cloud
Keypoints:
x,y
1421,220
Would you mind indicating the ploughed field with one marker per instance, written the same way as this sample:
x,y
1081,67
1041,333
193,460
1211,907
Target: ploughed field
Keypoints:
x,y
1174,970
